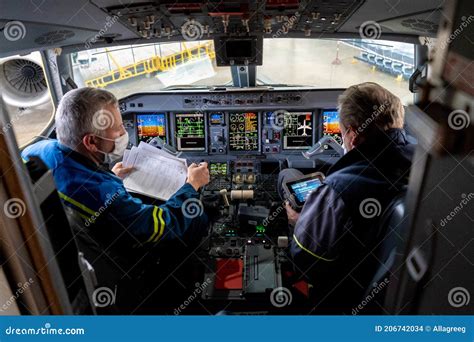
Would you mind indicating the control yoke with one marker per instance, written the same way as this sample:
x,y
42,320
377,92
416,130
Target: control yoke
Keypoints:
x,y
322,146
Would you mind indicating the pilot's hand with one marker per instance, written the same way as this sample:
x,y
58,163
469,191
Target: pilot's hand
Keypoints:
x,y
198,175
121,171
293,215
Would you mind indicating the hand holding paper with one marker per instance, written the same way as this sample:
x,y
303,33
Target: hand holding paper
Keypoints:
x,y
156,173
121,171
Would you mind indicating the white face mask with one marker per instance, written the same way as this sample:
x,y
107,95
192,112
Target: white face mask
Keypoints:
x,y
344,148
121,144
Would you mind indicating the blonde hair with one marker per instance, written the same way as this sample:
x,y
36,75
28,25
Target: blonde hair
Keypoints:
x,y
368,107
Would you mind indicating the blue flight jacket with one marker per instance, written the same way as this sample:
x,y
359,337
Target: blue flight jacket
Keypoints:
x,y
333,238
109,212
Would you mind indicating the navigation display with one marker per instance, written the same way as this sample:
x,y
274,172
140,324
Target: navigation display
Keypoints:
x,y
298,130
190,132
331,125
243,132
150,126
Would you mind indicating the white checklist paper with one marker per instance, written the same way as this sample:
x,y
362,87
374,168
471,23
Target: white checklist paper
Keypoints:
x,y
156,173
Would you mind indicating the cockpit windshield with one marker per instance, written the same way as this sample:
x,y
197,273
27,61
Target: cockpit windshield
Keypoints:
x,y
320,63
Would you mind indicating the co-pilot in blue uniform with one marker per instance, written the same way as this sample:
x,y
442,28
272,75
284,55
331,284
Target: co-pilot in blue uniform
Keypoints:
x,y
333,241
117,225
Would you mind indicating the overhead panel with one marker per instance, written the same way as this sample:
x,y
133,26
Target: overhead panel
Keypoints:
x,y
196,20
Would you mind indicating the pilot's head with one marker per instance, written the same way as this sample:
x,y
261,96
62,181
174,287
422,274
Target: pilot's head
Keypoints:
x,y
88,121
366,110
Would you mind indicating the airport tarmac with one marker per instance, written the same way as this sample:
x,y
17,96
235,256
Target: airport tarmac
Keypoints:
x,y
285,61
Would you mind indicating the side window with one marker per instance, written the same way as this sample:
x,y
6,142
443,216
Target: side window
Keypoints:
x,y
26,96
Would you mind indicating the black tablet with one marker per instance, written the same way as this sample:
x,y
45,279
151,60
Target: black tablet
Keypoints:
x,y
298,190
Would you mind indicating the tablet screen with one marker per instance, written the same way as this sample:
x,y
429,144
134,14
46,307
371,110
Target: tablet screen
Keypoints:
x,y
302,188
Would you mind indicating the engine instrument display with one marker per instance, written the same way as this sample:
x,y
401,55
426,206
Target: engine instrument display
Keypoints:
x,y
243,132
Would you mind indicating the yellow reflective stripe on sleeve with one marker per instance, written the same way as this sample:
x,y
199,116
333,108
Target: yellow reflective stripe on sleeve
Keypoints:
x,y
308,251
87,218
76,203
155,225
162,225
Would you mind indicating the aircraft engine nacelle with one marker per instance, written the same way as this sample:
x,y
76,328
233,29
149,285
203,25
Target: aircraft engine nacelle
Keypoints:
x,y
22,81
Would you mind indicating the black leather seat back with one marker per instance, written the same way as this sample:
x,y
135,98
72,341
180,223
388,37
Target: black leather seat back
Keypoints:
x,y
393,238
62,237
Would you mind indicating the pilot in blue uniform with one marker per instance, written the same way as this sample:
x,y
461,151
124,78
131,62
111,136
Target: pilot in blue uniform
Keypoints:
x,y
339,226
100,198
119,232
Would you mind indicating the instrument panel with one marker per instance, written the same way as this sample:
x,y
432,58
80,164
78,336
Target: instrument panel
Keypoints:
x,y
247,138
249,132
243,132
251,122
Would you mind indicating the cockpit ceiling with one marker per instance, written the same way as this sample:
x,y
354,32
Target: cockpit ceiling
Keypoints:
x,y
72,23
236,17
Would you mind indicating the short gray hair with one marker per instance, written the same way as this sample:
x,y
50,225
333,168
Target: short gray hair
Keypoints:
x,y
80,112
369,107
